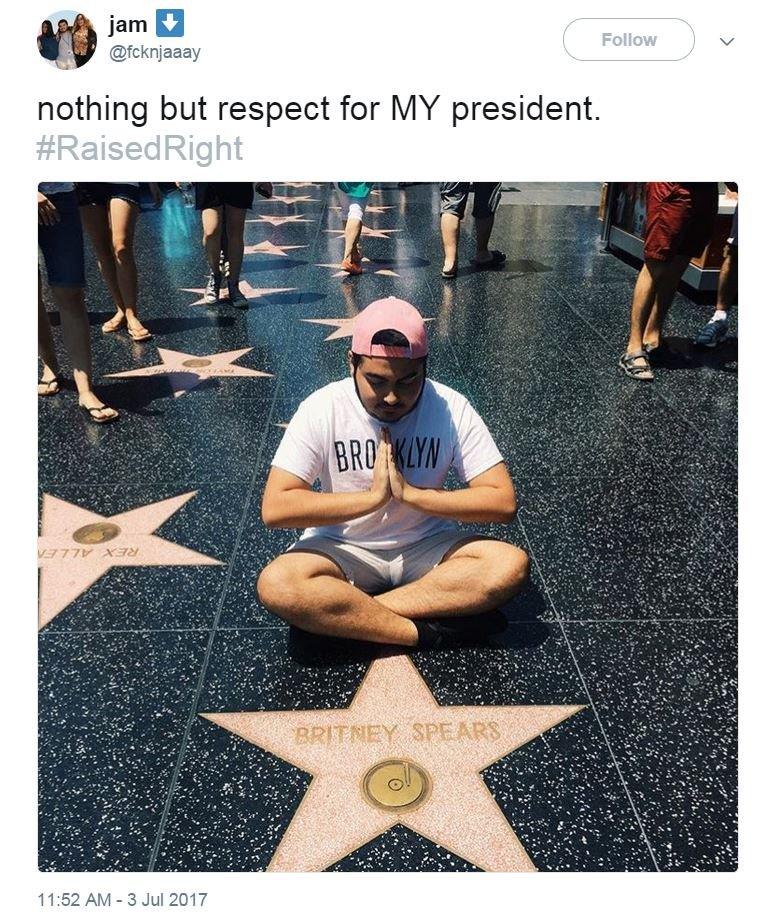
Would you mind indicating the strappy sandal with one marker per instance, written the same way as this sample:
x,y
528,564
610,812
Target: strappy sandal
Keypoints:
x,y
90,410
639,372
449,273
48,392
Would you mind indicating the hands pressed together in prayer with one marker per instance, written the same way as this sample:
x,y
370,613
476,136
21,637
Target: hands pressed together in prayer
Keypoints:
x,y
389,482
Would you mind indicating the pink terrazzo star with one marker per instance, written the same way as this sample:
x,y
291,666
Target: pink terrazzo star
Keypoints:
x,y
276,221
343,326
245,287
395,757
287,199
77,546
368,232
270,249
367,269
185,372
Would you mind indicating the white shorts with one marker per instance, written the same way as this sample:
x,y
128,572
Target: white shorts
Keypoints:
x,y
375,571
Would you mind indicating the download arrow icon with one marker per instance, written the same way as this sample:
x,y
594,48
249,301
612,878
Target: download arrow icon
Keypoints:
x,y
170,23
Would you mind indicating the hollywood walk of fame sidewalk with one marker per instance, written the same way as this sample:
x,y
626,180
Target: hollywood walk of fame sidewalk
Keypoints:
x,y
625,621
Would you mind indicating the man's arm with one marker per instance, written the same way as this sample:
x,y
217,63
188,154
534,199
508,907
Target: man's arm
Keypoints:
x,y
290,502
488,497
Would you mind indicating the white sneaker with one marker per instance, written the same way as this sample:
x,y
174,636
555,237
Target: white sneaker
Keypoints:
x,y
212,291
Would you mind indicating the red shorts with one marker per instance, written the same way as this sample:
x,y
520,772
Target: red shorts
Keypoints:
x,y
679,218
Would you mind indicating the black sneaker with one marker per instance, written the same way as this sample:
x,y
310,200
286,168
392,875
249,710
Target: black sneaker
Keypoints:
x,y
454,631
236,297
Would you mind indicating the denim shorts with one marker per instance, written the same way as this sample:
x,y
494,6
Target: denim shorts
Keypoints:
x,y
100,193
486,198
375,571
62,244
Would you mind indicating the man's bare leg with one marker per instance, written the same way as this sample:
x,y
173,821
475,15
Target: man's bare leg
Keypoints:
x,y
472,578
666,288
310,592
450,238
642,303
352,230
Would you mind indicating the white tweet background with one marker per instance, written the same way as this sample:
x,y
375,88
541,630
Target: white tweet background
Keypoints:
x,y
702,118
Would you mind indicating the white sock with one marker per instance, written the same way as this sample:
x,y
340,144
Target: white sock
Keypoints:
x,y
719,315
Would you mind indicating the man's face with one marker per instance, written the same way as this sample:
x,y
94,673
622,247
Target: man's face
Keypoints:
x,y
389,387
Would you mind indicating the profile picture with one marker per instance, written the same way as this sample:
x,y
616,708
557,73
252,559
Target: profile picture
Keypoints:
x,y
67,39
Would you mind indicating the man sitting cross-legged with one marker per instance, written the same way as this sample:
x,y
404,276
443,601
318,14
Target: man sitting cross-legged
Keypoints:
x,y
382,557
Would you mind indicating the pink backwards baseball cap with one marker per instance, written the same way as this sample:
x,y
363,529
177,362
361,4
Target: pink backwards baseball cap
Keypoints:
x,y
389,313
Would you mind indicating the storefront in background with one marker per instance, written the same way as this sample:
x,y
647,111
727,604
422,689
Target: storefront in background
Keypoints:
x,y
622,212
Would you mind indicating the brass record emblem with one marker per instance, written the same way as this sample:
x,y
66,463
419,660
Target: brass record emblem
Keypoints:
x,y
98,532
396,785
197,363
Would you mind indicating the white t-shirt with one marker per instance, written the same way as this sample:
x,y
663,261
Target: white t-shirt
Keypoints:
x,y
331,438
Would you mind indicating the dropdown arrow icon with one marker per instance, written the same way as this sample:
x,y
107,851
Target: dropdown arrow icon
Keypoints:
x,y
726,42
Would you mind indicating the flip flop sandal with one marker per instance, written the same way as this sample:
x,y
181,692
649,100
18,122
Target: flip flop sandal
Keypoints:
x,y
637,372
452,273
351,268
90,410
54,382
137,336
